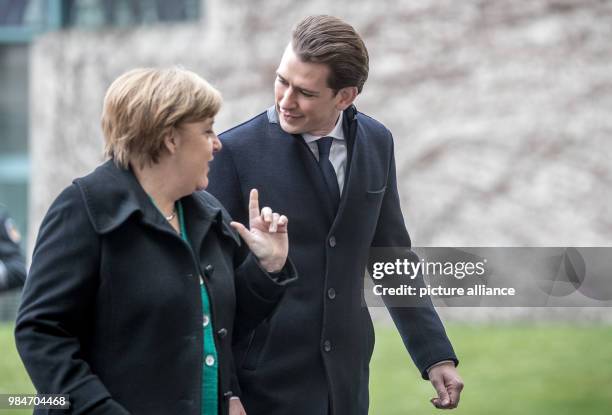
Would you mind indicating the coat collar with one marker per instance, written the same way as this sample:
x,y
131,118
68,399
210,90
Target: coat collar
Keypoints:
x,y
349,125
112,195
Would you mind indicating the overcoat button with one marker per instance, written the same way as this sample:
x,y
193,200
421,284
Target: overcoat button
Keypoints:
x,y
331,293
209,269
327,346
222,333
332,241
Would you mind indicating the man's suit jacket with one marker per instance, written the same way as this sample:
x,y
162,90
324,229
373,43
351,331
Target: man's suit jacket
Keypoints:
x,y
314,352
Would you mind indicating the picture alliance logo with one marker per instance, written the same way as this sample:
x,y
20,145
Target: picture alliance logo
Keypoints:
x,y
569,272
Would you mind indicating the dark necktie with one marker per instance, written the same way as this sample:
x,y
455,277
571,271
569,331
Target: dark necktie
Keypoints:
x,y
329,174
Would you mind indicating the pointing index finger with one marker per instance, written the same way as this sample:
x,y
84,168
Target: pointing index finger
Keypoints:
x,y
253,204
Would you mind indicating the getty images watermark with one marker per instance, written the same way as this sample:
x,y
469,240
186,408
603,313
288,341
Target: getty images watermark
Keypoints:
x,y
502,277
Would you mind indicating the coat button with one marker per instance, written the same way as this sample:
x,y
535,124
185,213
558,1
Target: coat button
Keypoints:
x,y
228,394
205,320
327,346
210,360
209,269
331,293
332,241
222,333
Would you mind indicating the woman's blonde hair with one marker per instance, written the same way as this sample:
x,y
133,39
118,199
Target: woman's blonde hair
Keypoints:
x,y
144,104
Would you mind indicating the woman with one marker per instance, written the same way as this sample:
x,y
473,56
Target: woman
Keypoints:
x,y
136,275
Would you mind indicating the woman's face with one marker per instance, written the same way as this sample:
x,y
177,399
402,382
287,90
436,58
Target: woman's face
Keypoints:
x,y
196,143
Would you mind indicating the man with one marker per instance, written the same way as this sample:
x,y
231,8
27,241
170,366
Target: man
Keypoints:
x,y
331,169
12,263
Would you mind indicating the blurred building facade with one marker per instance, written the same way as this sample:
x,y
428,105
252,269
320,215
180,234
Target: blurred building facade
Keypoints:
x,y
22,22
499,109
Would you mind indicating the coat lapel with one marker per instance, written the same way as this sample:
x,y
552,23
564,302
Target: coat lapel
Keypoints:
x,y
349,125
113,195
308,163
200,216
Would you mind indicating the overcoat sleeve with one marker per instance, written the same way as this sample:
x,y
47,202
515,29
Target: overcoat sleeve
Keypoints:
x,y
57,308
420,327
257,292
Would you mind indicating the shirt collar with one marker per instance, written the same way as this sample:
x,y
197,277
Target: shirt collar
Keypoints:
x,y
337,132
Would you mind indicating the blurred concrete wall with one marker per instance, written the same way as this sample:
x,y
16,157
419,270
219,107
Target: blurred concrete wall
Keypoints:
x,y
500,109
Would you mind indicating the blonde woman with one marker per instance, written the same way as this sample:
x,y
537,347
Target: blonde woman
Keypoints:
x,y
136,287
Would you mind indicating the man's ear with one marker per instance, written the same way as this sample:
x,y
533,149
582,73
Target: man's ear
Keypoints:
x,y
346,96
171,140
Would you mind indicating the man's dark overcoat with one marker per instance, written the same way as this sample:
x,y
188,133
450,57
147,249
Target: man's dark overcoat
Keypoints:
x,y
314,352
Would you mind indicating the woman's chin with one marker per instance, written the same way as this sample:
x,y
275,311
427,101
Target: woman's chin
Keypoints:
x,y
202,186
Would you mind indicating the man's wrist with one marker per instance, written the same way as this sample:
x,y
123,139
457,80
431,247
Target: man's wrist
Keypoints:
x,y
442,362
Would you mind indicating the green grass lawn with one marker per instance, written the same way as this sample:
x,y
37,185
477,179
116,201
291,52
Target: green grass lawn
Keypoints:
x,y
507,369
13,377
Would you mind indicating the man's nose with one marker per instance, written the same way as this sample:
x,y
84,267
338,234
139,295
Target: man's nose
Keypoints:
x,y
288,99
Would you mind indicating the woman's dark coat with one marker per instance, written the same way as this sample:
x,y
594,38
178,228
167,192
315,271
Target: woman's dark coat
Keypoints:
x,y
111,312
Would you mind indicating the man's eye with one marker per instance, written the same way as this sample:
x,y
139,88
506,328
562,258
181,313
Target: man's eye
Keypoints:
x,y
281,80
307,94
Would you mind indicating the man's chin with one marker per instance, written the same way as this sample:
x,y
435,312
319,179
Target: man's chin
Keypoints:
x,y
289,128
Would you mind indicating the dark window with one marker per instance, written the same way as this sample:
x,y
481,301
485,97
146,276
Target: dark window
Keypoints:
x,y
125,13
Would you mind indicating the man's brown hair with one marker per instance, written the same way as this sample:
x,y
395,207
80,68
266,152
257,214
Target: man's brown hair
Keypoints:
x,y
331,41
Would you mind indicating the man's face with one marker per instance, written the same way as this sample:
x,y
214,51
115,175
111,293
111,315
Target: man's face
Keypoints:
x,y
304,102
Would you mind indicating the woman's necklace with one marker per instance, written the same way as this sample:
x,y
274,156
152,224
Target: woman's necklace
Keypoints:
x,y
171,216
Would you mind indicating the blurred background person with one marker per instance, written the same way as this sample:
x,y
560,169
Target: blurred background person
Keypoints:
x,y
12,262
130,302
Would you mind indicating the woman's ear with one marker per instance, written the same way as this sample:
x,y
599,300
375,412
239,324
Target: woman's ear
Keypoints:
x,y
171,140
